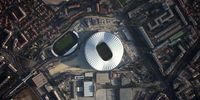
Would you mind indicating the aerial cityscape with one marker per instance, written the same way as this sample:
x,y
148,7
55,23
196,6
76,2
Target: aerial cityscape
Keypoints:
x,y
99,49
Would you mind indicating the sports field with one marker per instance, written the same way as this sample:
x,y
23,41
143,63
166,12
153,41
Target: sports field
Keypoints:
x,y
65,43
104,51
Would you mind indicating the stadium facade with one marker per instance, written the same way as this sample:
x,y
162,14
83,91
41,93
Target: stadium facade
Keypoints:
x,y
104,51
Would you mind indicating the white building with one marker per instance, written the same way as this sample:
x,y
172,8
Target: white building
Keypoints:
x,y
94,57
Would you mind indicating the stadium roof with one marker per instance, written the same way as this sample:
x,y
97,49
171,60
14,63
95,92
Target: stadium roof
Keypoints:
x,y
94,57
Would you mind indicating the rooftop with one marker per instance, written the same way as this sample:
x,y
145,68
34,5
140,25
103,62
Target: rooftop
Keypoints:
x,y
102,78
39,80
105,94
88,88
126,94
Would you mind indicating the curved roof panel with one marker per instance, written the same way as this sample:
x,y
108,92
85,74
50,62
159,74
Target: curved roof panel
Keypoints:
x,y
93,57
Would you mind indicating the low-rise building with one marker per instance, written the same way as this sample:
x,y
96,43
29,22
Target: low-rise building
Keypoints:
x,y
39,80
105,94
126,94
88,88
102,78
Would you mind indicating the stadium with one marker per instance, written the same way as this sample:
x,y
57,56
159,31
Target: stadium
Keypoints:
x,y
103,51
66,44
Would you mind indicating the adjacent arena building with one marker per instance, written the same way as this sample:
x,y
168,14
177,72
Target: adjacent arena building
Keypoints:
x,y
66,44
104,51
